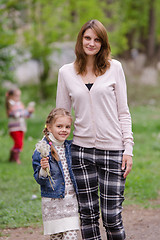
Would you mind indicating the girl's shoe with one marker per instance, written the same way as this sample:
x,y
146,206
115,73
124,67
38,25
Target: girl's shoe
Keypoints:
x,y
14,156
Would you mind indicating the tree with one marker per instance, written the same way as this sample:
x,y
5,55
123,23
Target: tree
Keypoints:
x,y
42,28
34,25
151,29
7,39
47,22
139,21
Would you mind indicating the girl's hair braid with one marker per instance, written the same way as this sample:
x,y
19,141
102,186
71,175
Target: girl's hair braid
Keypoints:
x,y
52,117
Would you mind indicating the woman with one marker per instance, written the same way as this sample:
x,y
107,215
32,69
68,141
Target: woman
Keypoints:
x,y
102,144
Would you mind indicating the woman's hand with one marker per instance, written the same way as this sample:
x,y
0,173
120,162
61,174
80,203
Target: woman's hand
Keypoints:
x,y
44,163
127,163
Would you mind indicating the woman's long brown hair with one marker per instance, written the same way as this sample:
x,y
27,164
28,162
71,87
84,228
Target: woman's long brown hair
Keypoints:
x,y
101,63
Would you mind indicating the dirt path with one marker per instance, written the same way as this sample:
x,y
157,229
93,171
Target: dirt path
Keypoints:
x,y
140,224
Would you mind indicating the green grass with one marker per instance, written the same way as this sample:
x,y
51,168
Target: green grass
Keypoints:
x,y
143,181
17,184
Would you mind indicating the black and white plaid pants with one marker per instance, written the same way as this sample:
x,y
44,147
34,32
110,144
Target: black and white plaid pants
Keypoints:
x,y
99,171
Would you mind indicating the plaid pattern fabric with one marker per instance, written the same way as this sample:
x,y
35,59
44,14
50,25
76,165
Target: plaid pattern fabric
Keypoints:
x,y
99,169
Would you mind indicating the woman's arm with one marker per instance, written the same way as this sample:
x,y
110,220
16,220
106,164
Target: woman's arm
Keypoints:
x,y
123,111
125,121
62,99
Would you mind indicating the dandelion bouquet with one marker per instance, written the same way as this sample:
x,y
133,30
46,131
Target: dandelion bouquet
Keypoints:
x,y
44,150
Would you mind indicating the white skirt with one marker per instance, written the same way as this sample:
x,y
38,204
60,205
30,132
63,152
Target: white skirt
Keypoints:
x,y
60,215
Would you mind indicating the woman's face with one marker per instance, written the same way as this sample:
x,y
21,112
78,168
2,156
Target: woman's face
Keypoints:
x,y
91,42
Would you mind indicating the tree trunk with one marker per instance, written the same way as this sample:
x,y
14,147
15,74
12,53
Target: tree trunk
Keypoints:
x,y
44,77
151,30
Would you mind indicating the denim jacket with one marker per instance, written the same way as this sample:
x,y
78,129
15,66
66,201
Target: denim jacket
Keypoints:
x,y
56,171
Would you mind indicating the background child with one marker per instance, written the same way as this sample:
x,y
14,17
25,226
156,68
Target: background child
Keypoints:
x,y
16,121
59,203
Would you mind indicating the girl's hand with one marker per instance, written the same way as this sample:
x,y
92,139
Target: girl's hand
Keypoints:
x,y
30,109
127,163
44,163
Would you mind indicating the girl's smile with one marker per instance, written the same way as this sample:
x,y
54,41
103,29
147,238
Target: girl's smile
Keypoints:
x,y
60,128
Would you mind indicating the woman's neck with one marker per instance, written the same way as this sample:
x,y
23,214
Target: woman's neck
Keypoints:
x,y
90,63
89,75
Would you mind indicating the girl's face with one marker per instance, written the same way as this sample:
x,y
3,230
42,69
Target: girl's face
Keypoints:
x,y
91,42
16,96
61,128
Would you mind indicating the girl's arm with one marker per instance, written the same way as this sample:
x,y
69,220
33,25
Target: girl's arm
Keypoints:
x,y
17,111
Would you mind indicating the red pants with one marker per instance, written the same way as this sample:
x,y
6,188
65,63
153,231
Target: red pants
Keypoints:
x,y
18,137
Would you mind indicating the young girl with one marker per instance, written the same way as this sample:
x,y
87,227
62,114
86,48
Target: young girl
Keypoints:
x,y
52,153
16,121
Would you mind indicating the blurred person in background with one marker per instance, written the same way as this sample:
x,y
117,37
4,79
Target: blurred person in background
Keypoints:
x,y
17,114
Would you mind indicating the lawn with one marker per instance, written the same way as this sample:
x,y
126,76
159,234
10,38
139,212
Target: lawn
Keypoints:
x,y
143,182
17,208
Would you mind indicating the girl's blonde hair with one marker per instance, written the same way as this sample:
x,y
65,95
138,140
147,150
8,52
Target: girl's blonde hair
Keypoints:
x,y
101,63
52,117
